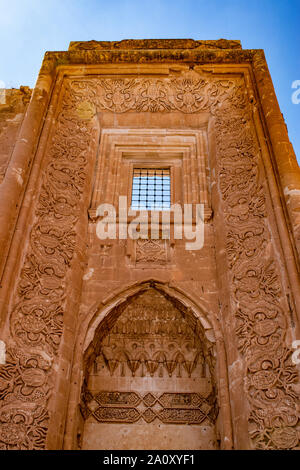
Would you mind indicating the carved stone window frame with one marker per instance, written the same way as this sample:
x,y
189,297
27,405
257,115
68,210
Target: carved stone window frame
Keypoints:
x,y
184,151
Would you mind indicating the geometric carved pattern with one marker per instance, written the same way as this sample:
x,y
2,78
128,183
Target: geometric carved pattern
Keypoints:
x,y
169,408
151,337
116,415
116,398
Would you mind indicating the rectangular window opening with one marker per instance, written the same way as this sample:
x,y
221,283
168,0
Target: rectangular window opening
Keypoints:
x,y
151,189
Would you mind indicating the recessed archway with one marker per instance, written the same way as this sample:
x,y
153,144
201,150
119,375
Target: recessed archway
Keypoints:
x,y
150,370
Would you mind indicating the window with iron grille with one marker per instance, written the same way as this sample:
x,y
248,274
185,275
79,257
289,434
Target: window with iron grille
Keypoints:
x,y
151,189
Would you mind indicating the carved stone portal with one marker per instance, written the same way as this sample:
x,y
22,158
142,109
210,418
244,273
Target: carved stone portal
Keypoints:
x,y
207,110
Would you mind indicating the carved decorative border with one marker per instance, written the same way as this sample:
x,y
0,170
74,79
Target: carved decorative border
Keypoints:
x,y
169,408
155,44
37,317
254,280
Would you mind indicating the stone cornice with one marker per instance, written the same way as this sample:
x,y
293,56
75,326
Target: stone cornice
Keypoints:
x,y
155,44
143,56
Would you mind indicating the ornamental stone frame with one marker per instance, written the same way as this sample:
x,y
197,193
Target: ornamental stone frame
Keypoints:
x,y
54,289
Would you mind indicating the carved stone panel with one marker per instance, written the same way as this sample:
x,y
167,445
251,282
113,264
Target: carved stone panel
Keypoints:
x,y
151,251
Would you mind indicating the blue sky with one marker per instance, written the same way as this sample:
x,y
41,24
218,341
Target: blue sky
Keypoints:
x,y
28,28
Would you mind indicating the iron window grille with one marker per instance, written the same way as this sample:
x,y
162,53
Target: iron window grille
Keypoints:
x,y
151,189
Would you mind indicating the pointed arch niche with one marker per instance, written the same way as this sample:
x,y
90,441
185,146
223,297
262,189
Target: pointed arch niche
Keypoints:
x,y
149,376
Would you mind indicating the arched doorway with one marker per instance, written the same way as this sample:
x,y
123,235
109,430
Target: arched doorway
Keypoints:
x,y
149,378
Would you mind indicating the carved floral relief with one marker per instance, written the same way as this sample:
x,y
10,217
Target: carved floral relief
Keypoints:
x,y
254,280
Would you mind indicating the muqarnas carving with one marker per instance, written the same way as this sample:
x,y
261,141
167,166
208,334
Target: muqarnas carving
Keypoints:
x,y
151,338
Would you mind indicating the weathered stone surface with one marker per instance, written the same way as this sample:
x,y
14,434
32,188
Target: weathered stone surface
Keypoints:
x,y
131,338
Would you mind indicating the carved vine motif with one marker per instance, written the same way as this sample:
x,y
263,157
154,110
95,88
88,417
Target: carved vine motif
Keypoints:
x,y
169,408
37,318
255,282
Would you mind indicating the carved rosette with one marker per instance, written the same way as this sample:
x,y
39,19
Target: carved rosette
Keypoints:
x,y
37,316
